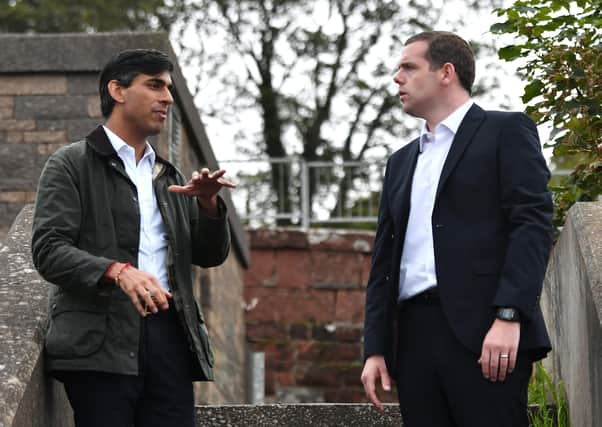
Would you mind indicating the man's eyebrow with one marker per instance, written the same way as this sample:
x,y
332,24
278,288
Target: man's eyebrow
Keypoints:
x,y
157,80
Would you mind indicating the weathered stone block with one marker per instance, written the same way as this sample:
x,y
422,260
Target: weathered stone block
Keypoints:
x,y
51,107
6,113
18,171
46,150
7,102
47,136
94,107
82,83
17,196
14,137
17,125
33,84
76,128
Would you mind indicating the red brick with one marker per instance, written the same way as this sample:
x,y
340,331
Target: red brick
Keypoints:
x,y
330,352
350,306
341,241
278,238
290,305
292,268
351,333
268,331
314,375
279,356
346,395
300,331
284,379
366,267
336,270
269,382
262,269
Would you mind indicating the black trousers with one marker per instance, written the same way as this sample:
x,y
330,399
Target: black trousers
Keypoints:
x,y
440,382
161,395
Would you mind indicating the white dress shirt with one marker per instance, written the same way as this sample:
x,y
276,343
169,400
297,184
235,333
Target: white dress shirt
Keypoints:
x,y
152,250
417,268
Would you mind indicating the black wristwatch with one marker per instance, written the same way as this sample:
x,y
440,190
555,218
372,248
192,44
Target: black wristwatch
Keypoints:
x,y
509,314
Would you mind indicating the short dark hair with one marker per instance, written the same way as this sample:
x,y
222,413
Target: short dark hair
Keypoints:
x,y
124,67
444,47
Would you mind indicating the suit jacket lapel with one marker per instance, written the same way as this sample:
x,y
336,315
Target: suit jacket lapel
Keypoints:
x,y
401,174
463,138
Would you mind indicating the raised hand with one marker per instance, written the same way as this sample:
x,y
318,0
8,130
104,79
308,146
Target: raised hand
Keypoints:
x,y
204,186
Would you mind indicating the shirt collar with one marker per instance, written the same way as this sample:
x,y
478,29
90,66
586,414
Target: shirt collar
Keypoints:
x,y
451,122
120,146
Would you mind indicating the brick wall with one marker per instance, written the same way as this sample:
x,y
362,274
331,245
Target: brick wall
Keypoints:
x,y
305,301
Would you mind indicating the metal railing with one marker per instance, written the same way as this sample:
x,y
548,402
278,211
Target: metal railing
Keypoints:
x,y
296,192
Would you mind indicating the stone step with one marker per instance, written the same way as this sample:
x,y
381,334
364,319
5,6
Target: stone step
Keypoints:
x,y
299,415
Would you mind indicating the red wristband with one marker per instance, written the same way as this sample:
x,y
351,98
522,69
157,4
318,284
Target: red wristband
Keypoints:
x,y
126,265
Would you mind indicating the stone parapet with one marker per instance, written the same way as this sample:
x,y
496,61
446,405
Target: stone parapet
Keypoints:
x,y
298,415
572,305
28,396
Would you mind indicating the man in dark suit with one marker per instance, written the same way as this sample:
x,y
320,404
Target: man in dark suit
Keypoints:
x,y
463,240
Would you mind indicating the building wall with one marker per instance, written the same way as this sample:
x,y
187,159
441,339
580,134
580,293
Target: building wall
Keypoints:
x,y
305,303
40,113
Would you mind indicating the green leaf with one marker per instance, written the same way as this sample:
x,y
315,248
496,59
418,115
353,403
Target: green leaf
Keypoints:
x,y
510,53
532,90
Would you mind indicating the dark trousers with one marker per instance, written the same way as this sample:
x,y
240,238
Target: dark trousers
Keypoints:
x,y
161,395
440,382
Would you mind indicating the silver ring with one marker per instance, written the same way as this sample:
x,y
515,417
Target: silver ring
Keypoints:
x,y
149,293
504,356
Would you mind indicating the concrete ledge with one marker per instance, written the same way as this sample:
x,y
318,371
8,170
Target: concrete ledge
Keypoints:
x,y
572,306
298,415
301,415
29,398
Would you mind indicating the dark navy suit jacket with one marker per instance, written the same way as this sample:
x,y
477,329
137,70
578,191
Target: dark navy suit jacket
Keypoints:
x,y
492,233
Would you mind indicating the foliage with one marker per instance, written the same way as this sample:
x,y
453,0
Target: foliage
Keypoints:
x,y
551,409
560,43
315,75
54,16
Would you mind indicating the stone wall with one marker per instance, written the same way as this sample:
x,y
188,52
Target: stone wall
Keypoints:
x,y
305,302
38,114
572,305
28,396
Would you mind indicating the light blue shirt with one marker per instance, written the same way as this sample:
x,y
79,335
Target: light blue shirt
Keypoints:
x,y
417,268
152,250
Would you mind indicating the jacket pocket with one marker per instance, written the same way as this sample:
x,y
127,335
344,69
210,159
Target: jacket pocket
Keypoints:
x,y
75,329
204,335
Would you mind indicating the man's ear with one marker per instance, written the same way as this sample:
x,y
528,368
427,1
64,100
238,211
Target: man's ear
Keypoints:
x,y
448,72
116,91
